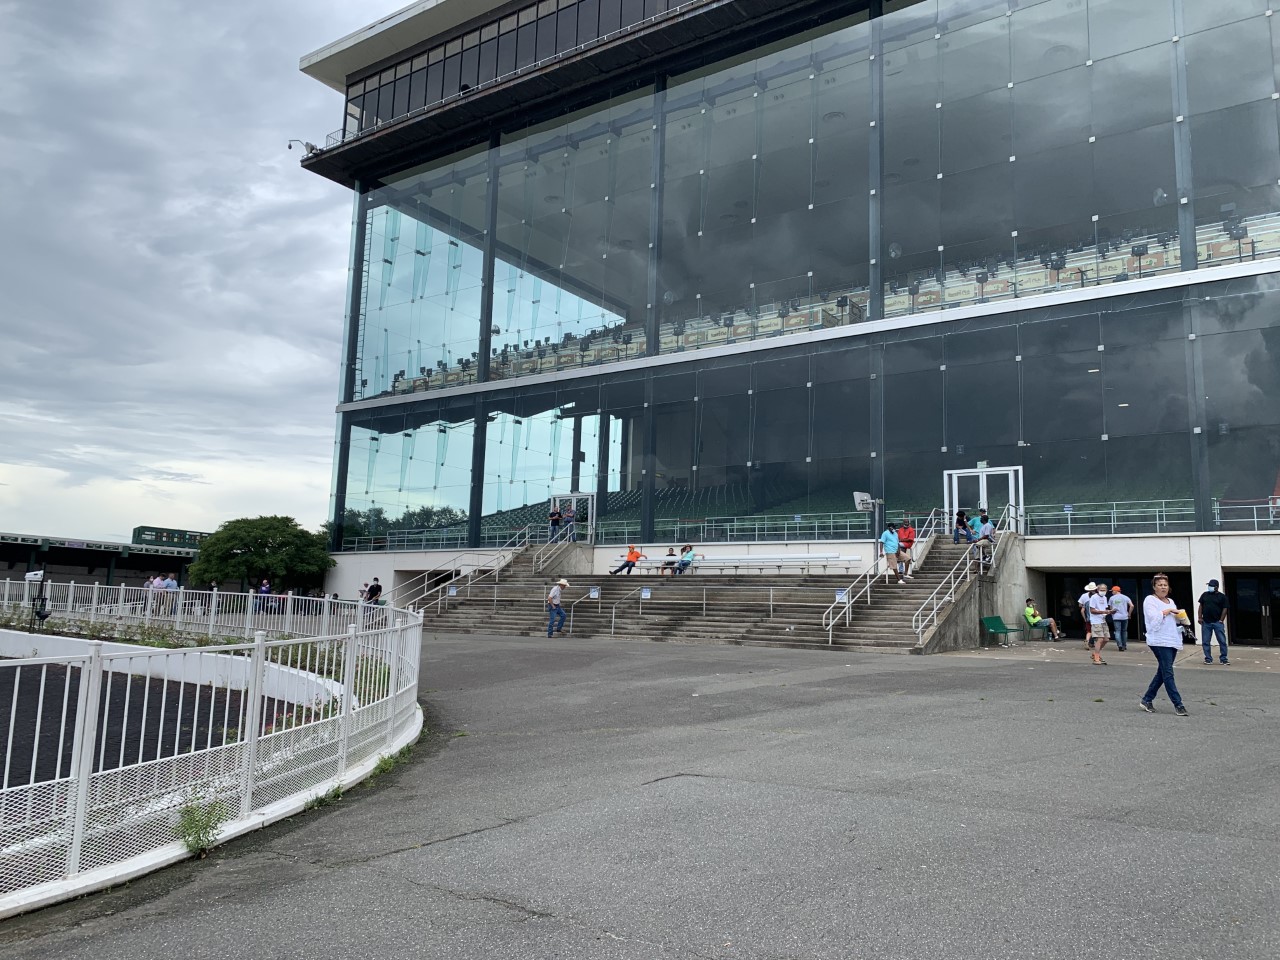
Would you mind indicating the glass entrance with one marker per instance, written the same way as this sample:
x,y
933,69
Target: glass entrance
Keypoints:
x,y
984,488
578,513
1254,608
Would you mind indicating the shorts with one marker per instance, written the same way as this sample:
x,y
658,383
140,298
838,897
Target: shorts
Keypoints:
x,y
1100,631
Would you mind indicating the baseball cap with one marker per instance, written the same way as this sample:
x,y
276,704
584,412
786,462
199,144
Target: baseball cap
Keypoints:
x,y
1213,583
1115,589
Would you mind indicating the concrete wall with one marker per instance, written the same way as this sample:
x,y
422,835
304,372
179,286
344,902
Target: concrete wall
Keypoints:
x,y
1000,593
1206,555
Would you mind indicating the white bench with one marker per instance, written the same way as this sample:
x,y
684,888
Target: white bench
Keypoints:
x,y
761,562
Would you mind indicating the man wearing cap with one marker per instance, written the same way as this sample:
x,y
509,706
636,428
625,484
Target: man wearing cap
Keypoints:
x,y
1083,605
554,609
1121,610
1211,614
1034,619
1099,608
634,556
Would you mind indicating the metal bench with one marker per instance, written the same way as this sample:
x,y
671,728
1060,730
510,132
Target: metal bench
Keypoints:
x,y
761,562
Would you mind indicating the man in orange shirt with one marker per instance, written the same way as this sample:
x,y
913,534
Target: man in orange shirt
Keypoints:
x,y
629,564
906,540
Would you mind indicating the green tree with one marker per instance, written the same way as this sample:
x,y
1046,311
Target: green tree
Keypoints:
x,y
257,548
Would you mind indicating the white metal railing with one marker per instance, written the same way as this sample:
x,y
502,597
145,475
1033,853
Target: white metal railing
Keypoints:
x,y
930,527
554,547
972,562
105,749
1109,517
485,565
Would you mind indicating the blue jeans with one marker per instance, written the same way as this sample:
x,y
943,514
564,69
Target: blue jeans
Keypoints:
x,y
1207,632
968,535
1164,676
1120,633
552,624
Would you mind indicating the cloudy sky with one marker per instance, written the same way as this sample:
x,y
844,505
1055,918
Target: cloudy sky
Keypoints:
x,y
171,282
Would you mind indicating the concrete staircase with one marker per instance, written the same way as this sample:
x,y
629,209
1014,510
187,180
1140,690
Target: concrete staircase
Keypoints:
x,y
779,611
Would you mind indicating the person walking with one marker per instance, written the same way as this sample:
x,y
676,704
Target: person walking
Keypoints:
x,y
1211,614
889,543
1099,609
1160,616
1033,618
1121,610
1082,604
634,556
906,540
555,610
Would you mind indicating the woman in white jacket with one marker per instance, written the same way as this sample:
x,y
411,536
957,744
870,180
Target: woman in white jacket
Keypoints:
x,y
1161,617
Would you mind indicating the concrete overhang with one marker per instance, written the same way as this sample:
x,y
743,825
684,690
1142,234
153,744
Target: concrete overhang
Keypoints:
x,y
390,36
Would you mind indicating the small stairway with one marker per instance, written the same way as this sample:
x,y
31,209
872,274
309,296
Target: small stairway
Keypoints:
x,y
696,608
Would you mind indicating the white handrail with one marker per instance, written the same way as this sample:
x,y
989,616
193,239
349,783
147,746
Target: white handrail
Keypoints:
x,y
853,593
492,566
543,557
962,572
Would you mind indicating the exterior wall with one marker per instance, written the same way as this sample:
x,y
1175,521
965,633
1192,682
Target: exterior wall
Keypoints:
x,y
1012,152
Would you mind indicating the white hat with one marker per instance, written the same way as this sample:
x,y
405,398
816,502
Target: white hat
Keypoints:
x,y
1090,587
562,583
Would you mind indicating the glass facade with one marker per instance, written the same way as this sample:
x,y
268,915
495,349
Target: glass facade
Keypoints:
x,y
481,55
949,154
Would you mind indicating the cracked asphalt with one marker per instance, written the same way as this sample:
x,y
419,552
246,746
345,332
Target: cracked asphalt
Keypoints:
x,y
607,799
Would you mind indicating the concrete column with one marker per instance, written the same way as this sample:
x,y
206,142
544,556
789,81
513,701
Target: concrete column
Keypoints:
x,y
1206,565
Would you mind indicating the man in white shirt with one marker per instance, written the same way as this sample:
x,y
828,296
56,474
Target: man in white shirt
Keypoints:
x,y
1083,604
986,544
1099,609
555,612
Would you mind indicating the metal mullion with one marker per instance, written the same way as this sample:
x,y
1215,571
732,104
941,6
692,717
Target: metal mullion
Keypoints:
x,y
13,724
35,747
62,727
105,717
124,717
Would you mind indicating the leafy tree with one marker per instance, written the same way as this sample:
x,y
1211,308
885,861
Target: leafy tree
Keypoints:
x,y
272,548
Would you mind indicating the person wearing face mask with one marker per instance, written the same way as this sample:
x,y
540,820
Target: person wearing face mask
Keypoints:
x,y
1164,636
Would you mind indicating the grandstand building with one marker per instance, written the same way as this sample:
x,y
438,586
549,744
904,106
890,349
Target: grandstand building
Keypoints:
x,y
718,264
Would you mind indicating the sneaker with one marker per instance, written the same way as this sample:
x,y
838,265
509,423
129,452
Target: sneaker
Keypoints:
x,y
902,583
1226,662
1208,659
1181,711
908,577
1146,706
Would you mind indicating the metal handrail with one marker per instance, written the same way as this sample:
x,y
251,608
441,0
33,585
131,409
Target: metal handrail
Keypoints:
x,y
495,563
613,612
961,573
586,596
853,593
542,559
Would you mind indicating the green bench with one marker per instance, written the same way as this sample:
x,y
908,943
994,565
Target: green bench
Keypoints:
x,y
996,627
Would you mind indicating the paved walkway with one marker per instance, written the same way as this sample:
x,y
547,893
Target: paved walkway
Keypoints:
x,y
606,799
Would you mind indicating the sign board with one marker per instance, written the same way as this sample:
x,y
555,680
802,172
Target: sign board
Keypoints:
x,y
840,594
797,518
34,576
644,593
1068,508
453,591
595,593
983,464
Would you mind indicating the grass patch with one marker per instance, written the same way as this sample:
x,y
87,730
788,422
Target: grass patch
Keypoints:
x,y
323,799
199,823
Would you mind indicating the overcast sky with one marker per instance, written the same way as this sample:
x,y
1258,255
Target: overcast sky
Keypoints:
x,y
171,282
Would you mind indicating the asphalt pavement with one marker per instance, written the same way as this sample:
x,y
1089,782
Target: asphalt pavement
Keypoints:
x,y
614,799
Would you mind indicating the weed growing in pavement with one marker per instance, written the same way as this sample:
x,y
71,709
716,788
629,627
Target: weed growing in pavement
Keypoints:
x,y
323,799
199,822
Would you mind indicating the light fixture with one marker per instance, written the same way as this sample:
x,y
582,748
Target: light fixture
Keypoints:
x,y
1095,370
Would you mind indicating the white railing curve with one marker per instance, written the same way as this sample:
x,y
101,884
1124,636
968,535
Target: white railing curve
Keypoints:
x,y
112,750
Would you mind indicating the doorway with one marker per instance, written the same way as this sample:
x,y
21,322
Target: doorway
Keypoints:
x,y
583,506
985,488
1254,609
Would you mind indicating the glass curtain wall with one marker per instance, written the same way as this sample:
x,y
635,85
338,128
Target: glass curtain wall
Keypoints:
x,y
989,151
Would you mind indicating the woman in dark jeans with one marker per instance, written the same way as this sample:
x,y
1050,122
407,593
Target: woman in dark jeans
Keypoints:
x,y
1162,616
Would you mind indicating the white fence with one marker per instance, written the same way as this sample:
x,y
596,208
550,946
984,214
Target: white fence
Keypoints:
x,y
107,745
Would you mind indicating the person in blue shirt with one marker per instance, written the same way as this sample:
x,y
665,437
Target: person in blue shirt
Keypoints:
x,y
892,547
